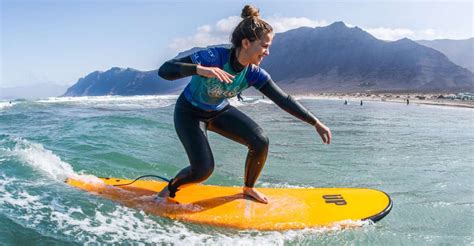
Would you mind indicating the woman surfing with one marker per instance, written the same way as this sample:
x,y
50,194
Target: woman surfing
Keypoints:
x,y
220,73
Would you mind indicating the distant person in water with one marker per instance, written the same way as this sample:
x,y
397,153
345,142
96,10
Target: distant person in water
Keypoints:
x,y
361,103
220,73
345,102
239,97
408,101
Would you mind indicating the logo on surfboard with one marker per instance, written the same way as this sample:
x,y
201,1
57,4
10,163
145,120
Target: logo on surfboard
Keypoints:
x,y
336,199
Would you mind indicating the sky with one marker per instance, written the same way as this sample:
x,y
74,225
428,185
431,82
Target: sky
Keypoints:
x,y
54,41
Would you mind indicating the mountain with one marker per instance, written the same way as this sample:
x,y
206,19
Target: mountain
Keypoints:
x,y
460,52
125,82
337,58
36,91
334,58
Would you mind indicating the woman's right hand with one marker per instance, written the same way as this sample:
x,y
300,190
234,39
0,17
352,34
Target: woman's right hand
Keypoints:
x,y
215,72
324,132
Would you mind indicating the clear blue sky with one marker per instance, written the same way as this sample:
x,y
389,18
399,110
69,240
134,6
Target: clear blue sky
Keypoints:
x,y
60,41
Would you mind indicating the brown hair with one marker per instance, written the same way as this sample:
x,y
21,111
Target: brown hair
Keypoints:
x,y
251,27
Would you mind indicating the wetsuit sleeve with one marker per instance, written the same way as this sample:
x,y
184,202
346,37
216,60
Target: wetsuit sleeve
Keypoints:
x,y
257,77
287,102
187,66
177,68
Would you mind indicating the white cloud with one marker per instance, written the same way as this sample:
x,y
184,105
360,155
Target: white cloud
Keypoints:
x,y
287,23
429,32
205,28
220,32
391,34
204,36
228,24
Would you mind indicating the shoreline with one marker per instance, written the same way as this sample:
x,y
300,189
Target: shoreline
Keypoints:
x,y
416,99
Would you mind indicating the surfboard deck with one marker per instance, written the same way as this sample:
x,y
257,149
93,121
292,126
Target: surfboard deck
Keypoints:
x,y
288,208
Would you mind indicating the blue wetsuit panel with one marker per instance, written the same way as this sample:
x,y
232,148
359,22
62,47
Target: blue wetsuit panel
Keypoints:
x,y
210,94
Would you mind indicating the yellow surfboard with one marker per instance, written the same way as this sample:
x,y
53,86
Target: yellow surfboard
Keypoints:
x,y
288,208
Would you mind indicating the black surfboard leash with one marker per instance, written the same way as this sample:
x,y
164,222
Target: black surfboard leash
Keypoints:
x,y
144,176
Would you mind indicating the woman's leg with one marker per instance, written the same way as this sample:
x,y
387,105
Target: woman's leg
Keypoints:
x,y
192,133
237,126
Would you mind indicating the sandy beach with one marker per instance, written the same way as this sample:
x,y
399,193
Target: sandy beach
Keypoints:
x,y
413,99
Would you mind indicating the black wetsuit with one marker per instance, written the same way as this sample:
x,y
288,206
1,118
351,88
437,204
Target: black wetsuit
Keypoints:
x,y
192,122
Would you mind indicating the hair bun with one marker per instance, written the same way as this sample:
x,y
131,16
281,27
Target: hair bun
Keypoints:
x,y
250,11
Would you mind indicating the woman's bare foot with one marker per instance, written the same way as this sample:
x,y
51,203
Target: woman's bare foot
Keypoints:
x,y
252,192
164,195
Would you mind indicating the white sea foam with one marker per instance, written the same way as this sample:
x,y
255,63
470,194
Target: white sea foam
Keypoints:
x,y
42,159
106,98
109,224
122,224
112,102
248,101
136,102
6,105
282,185
45,161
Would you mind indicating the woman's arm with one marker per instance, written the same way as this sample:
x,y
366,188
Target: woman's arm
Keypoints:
x,y
184,67
290,105
177,68
287,103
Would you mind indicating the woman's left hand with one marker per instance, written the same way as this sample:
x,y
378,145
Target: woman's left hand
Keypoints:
x,y
324,132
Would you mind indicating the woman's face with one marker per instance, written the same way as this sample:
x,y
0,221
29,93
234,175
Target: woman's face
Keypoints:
x,y
259,48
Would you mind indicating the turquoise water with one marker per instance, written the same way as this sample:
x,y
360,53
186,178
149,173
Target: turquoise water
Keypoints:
x,y
422,156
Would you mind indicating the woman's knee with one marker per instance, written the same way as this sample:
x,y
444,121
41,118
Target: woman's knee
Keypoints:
x,y
204,171
260,142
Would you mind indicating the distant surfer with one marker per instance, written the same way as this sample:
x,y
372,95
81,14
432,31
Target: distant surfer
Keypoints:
x,y
361,103
219,73
345,102
239,97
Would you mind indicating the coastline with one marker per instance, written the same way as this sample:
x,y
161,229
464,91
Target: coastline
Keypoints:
x,y
414,99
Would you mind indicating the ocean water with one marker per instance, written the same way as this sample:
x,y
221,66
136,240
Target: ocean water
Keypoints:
x,y
422,156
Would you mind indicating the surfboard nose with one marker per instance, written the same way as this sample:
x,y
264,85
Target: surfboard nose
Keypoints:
x,y
384,212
